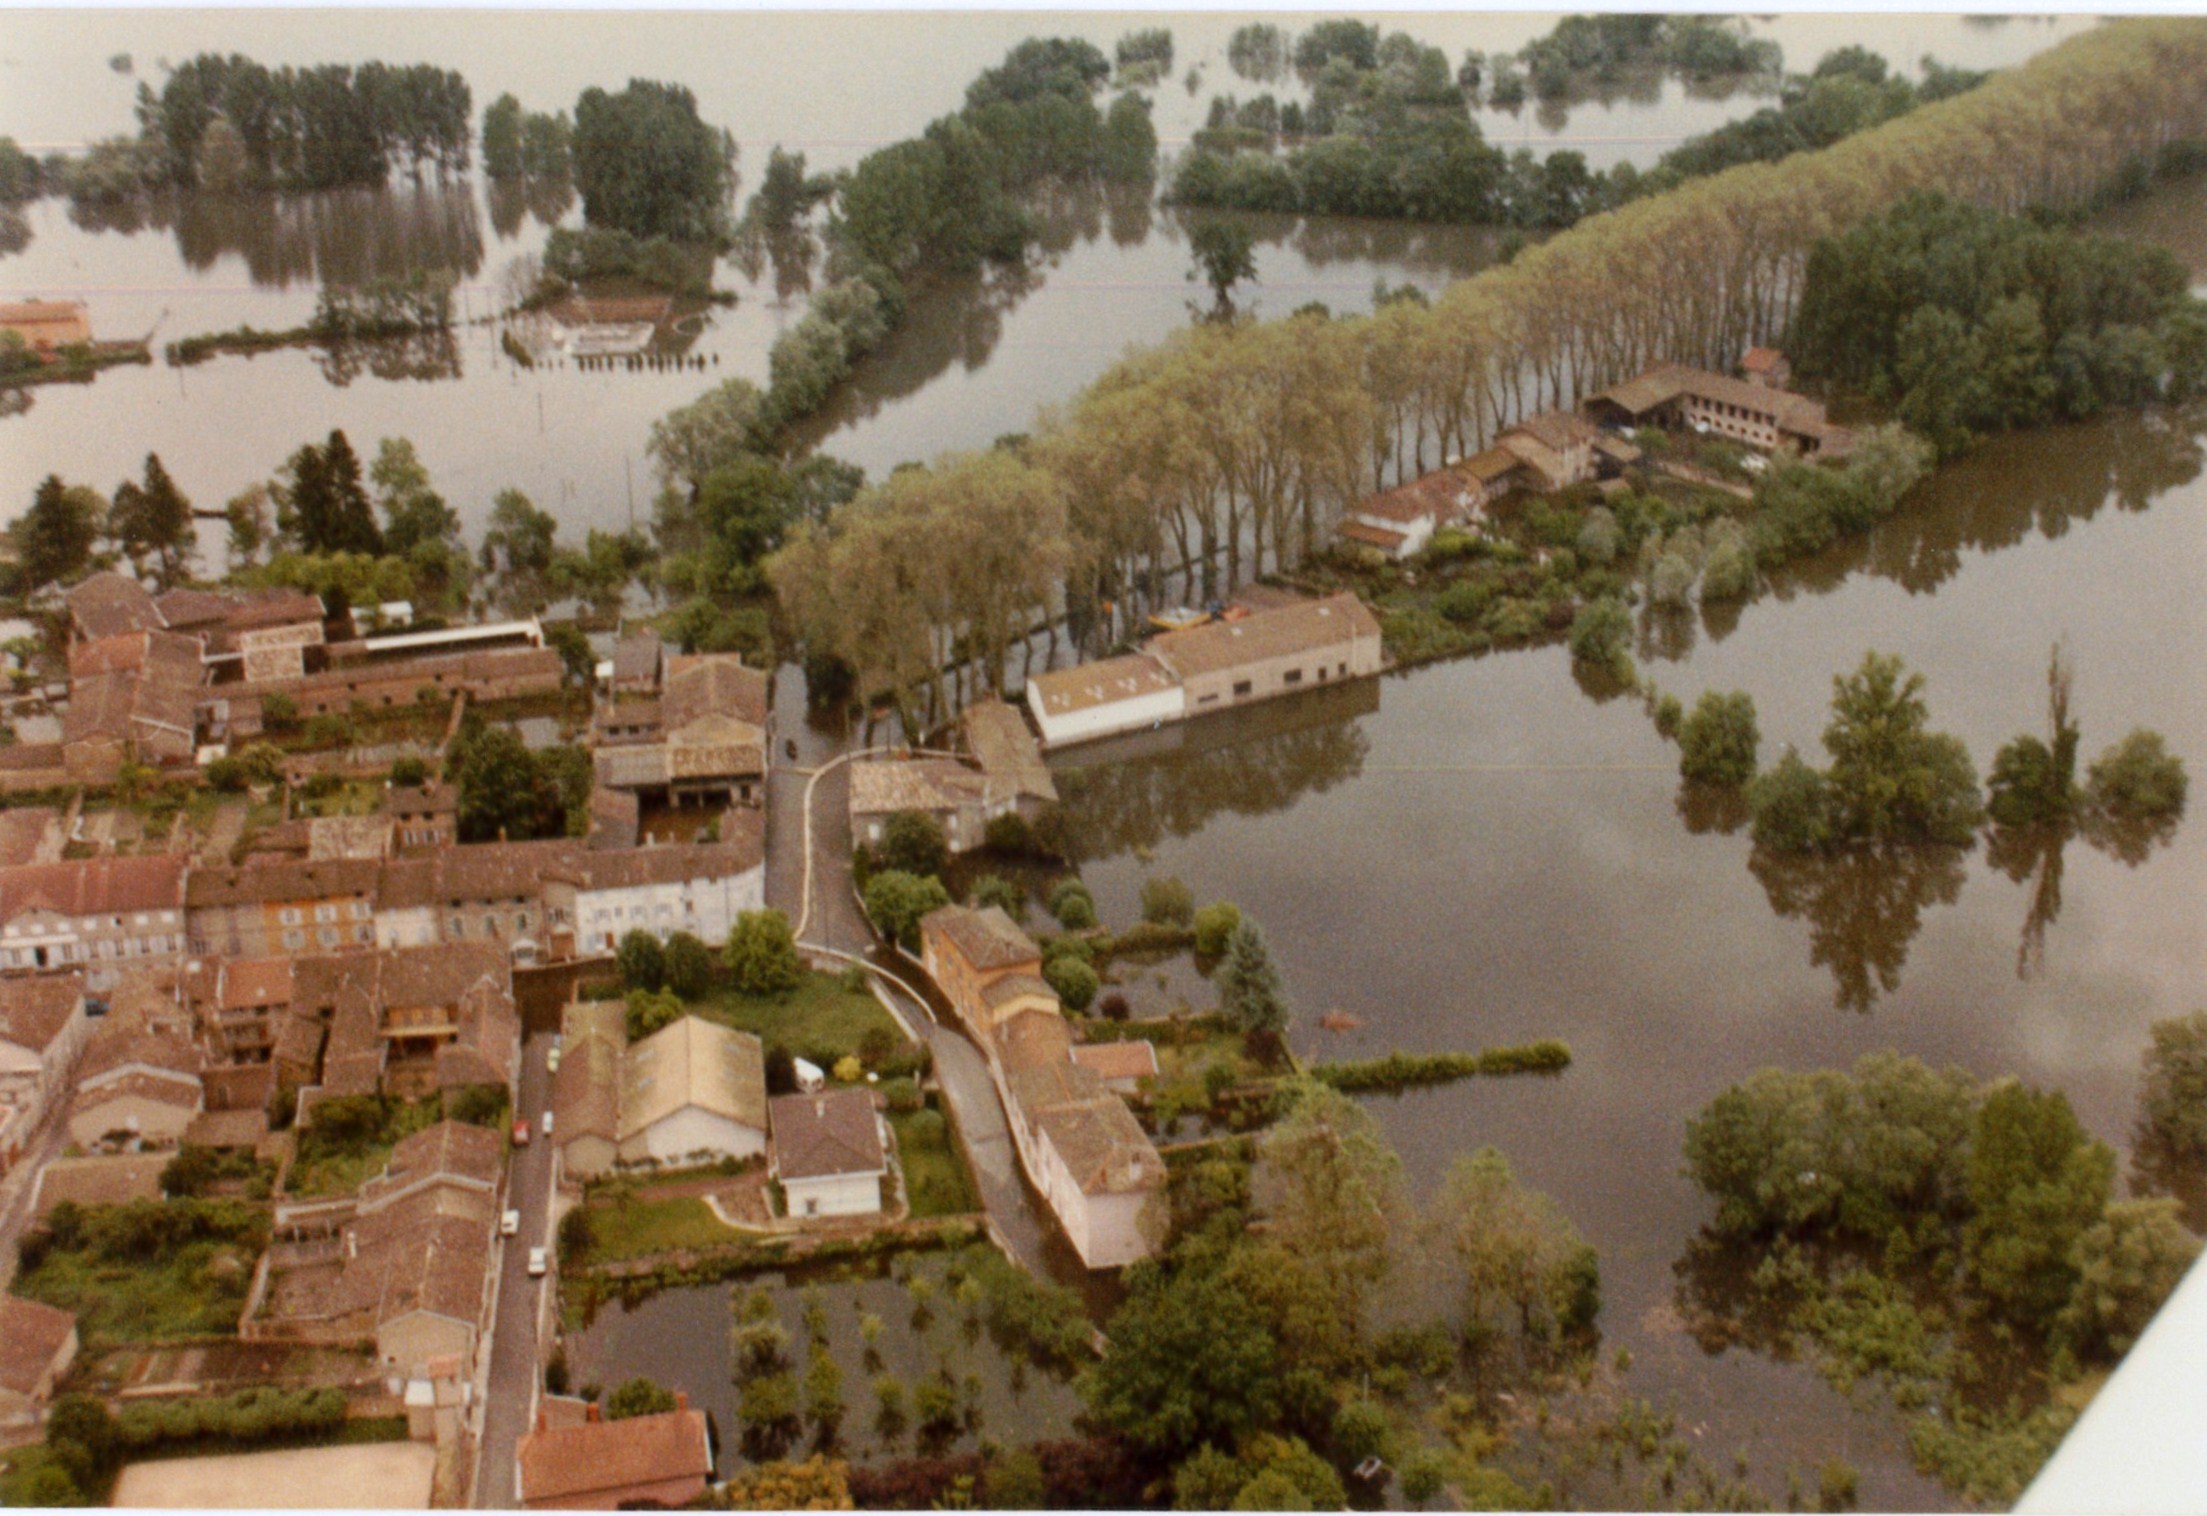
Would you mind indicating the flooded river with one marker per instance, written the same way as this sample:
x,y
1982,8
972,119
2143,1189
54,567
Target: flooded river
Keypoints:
x,y
1492,857
973,363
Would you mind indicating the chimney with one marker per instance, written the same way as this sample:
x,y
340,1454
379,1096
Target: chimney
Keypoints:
x,y
681,1400
543,1421
590,1414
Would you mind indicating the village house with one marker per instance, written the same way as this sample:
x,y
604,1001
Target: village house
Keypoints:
x,y
586,1088
969,953
637,664
47,326
828,1152
99,914
409,1021
237,1004
407,1263
423,817
1122,1066
1556,448
30,834
616,820
1400,522
493,892
1760,416
661,1460
138,1081
43,1029
1130,693
108,604
693,1092
997,736
699,888
134,696
953,795
37,1345
261,910
701,739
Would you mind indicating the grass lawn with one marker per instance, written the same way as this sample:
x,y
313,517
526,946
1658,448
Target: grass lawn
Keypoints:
x,y
632,1228
819,1020
935,1178
196,1290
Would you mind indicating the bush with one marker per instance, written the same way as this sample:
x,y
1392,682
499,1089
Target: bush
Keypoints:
x,y
689,966
641,960
761,954
1400,1071
1114,1007
1601,635
895,902
1072,905
1214,928
1009,834
992,889
1716,743
1167,901
2137,779
1075,982
409,771
913,843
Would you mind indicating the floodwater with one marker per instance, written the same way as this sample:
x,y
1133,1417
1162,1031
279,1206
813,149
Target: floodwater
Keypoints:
x,y
1493,856
974,362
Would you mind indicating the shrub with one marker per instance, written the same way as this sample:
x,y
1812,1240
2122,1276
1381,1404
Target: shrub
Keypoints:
x,y
895,901
761,953
1601,633
1466,601
1072,905
409,771
1009,834
1114,1007
1716,743
1075,982
993,889
1669,715
1214,927
913,843
1792,807
641,960
2137,779
1399,1071
689,966
1167,901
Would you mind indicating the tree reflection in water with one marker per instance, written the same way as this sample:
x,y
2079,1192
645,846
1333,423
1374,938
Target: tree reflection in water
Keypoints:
x,y
424,355
15,231
1864,906
1134,792
513,201
2034,854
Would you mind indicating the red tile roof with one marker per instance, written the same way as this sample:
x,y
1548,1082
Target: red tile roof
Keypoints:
x,y
94,886
601,1458
829,1133
31,1338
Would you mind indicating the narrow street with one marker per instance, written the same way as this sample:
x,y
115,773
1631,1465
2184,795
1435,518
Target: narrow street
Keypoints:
x,y
510,1400
837,922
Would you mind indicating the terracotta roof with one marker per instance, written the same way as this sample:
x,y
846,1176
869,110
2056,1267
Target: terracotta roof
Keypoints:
x,y
1488,466
1136,1058
122,1038
1374,536
253,983
677,863
418,1253
985,939
255,610
615,818
1761,360
28,833
1103,1146
131,708
1291,629
1006,750
586,1092
1034,1039
101,1181
447,1150
693,1062
239,1088
583,1019
227,1129
476,871
712,684
183,608
1012,986
1557,429
601,1458
32,1336
94,886
1087,685
829,1133
168,1088
881,786
108,604
1661,385
1440,495
270,883
167,657
1536,455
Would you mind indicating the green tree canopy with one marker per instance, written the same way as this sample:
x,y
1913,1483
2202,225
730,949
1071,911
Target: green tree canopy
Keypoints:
x,y
646,165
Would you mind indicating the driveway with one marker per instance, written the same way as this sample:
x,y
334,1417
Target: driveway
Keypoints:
x,y
510,1402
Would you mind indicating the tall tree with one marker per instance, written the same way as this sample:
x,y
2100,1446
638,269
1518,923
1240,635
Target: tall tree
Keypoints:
x,y
324,507
53,539
646,165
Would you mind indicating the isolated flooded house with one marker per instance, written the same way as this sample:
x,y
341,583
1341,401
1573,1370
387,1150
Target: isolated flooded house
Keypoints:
x,y
1760,416
1090,700
99,914
47,326
1400,522
1277,651
829,1154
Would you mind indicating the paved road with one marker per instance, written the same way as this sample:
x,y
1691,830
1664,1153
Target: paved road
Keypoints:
x,y
837,922
511,1400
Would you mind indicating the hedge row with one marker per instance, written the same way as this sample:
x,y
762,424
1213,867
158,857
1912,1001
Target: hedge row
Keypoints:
x,y
1401,1071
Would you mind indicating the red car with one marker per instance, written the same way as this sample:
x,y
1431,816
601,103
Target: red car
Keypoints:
x,y
521,1133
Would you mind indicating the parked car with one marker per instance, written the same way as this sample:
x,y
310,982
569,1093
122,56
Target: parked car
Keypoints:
x,y
551,1060
509,1224
538,1263
521,1133
547,1123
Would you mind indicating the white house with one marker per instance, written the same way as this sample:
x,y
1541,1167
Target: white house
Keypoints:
x,y
693,1091
1097,699
104,914
696,888
828,1152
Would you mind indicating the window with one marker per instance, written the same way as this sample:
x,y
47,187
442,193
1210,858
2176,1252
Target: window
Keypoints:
x,y
361,910
490,926
325,913
1292,676
1241,687
521,922
290,915
295,940
327,936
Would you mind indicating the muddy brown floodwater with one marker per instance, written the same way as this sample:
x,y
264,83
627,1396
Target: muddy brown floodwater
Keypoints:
x,y
1492,856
